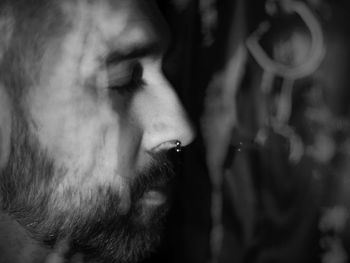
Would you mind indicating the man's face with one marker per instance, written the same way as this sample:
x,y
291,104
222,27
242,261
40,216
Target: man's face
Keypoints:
x,y
91,128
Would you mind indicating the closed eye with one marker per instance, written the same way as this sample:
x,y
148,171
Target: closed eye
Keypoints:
x,y
125,76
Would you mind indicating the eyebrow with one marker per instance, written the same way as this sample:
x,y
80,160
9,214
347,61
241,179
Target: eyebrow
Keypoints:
x,y
134,51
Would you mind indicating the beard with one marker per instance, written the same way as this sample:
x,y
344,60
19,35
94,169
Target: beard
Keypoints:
x,y
99,231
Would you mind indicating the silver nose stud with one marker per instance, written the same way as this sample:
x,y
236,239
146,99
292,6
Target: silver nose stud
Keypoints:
x,y
178,147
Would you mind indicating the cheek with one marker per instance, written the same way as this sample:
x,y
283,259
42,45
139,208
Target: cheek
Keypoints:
x,y
77,125
82,136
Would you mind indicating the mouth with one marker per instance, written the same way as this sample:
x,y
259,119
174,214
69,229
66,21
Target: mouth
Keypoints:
x,y
152,189
153,205
154,197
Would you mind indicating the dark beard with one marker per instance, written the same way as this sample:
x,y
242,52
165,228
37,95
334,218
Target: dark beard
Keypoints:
x,y
124,238
103,234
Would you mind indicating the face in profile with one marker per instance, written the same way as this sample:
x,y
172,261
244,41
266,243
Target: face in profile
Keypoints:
x,y
87,121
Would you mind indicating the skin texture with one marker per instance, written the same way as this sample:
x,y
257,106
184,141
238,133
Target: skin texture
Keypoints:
x,y
87,118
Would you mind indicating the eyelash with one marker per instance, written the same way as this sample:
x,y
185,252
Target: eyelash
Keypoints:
x,y
133,83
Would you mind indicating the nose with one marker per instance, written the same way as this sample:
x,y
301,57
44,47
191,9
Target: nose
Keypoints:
x,y
161,114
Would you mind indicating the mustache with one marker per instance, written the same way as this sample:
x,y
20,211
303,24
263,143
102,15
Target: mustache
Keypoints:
x,y
157,176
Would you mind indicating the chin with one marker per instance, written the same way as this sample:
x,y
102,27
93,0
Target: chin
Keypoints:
x,y
102,234
112,237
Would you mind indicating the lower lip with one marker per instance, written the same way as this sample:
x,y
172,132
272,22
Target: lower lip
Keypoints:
x,y
153,198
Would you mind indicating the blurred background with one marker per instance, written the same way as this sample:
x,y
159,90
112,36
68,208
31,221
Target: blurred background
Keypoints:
x,y
265,83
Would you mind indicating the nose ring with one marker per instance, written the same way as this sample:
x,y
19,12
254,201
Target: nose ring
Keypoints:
x,y
178,147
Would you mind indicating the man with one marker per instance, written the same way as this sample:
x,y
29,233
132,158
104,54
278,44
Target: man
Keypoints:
x,y
86,122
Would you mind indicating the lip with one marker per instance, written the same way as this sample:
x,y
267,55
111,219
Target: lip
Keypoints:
x,y
153,198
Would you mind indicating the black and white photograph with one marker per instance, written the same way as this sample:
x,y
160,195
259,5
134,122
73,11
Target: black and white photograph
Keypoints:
x,y
174,131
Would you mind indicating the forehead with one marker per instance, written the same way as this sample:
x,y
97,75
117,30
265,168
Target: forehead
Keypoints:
x,y
51,17
105,11
99,10
115,18
42,25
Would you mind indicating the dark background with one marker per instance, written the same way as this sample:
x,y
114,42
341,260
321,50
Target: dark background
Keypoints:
x,y
272,209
